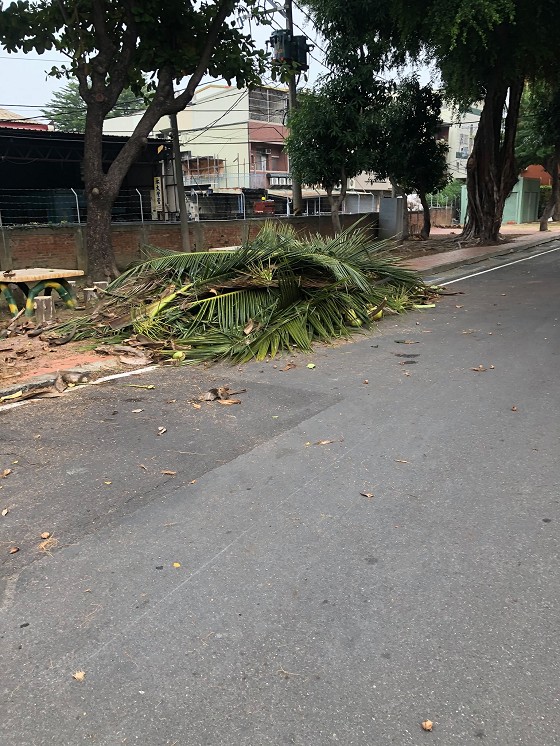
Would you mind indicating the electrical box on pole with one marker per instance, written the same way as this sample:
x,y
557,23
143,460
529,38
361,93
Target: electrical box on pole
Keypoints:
x,y
290,49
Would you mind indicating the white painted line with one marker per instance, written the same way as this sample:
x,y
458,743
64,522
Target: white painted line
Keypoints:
x,y
136,372
13,405
501,266
127,373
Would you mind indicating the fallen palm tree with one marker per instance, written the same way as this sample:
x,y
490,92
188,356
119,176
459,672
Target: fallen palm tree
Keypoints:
x,y
276,293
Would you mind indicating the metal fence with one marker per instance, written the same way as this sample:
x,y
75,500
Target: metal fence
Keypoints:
x,y
50,207
60,206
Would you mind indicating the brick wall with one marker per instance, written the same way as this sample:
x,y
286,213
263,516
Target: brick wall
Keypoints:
x,y
63,246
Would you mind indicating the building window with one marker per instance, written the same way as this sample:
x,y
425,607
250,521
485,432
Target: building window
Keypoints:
x,y
268,105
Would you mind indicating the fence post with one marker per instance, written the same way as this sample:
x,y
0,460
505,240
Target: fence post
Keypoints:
x,y
6,259
77,204
139,193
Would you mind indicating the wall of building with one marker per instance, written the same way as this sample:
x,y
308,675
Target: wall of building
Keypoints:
x,y
459,130
63,247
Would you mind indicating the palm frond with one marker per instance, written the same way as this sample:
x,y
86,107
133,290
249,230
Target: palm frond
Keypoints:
x,y
277,292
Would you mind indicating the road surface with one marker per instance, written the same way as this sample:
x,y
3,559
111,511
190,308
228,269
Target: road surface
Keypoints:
x,y
257,596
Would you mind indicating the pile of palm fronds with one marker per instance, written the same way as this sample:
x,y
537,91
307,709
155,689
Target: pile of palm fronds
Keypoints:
x,y
277,292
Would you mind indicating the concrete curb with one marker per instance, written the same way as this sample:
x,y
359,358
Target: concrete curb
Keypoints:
x,y
507,249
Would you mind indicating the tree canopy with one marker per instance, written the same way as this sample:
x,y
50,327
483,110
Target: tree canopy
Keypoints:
x,y
484,49
67,110
411,156
538,138
333,133
112,45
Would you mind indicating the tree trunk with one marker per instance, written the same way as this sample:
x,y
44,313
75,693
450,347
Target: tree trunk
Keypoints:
x,y
427,224
101,263
334,202
556,214
491,168
550,207
102,188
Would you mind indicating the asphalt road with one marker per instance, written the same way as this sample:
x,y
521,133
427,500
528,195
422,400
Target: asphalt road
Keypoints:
x,y
302,612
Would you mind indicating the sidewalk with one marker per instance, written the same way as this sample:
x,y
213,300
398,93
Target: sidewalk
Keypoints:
x,y
426,265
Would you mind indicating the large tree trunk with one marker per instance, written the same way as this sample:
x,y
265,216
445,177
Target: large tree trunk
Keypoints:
x,y
335,202
550,207
491,168
427,224
102,188
101,263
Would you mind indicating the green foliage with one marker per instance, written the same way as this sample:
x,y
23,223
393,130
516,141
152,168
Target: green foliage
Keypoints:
x,y
451,192
275,293
411,156
484,50
545,192
67,110
119,42
114,45
538,134
333,131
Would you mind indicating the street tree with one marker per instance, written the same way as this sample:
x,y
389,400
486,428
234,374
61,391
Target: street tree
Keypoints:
x,y
333,133
484,49
412,157
113,45
67,109
538,139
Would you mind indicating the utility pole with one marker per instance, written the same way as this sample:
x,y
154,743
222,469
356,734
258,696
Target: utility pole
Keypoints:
x,y
297,202
180,184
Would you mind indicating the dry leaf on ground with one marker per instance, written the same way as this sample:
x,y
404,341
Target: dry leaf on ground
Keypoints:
x,y
480,369
227,402
427,725
514,408
5,512
400,461
5,473
176,564
141,386
367,494
169,473
366,381
137,411
79,675
288,366
143,467
197,406
161,430
48,544
13,550
45,534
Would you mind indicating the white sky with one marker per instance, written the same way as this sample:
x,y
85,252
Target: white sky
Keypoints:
x,y
25,86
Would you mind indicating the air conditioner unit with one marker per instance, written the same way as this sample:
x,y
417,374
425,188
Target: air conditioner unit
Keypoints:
x,y
268,151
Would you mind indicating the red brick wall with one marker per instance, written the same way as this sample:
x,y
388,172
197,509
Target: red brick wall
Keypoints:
x,y
42,247
62,246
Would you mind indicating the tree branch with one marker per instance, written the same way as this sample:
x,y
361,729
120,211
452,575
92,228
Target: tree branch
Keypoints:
x,y
224,10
